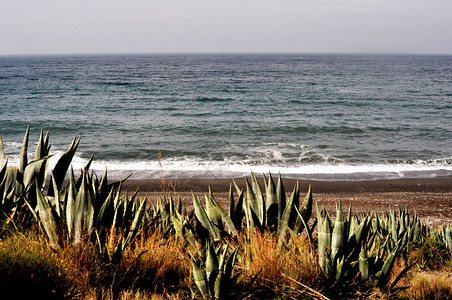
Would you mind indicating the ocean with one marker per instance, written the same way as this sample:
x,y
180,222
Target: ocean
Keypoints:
x,y
324,117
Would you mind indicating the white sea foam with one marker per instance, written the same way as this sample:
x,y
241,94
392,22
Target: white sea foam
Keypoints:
x,y
192,167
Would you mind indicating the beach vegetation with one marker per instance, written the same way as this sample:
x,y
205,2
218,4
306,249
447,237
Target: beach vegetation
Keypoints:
x,y
68,235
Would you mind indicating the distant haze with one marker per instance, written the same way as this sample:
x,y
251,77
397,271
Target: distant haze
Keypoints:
x,y
181,26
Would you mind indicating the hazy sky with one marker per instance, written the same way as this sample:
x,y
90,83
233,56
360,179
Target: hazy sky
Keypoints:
x,y
147,26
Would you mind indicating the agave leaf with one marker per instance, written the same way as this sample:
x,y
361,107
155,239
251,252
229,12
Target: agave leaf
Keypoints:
x,y
260,208
213,212
308,230
211,266
219,286
225,217
363,264
41,147
239,212
23,159
237,189
324,239
284,223
229,267
46,218
339,270
280,199
3,173
63,163
231,201
201,214
178,227
200,278
70,204
80,208
36,169
107,211
136,223
57,198
251,200
89,218
382,276
306,207
222,260
339,234
305,211
10,178
271,205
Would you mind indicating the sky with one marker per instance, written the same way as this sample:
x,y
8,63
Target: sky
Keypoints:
x,y
212,26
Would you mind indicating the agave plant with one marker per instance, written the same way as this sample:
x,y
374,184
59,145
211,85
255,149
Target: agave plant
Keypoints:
x,y
213,273
339,243
71,212
274,212
446,234
84,210
18,183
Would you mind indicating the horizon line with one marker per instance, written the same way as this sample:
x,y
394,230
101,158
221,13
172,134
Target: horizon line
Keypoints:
x,y
224,53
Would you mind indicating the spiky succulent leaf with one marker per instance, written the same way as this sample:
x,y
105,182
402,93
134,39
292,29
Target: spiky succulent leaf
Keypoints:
x,y
364,263
23,159
339,233
236,211
36,169
199,276
136,223
201,215
285,219
305,211
213,212
211,266
271,204
253,202
64,162
46,218
280,198
57,206
324,240
224,216
70,204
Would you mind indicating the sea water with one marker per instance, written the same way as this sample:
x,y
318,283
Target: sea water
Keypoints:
x,y
328,117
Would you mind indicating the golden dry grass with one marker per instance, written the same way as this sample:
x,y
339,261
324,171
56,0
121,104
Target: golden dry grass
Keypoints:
x,y
283,268
430,285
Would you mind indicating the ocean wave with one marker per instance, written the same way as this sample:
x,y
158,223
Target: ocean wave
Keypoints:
x,y
191,166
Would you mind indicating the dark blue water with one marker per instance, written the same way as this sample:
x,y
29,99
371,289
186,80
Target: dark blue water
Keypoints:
x,y
308,116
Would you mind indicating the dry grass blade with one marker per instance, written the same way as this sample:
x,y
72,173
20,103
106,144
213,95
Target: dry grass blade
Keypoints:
x,y
312,291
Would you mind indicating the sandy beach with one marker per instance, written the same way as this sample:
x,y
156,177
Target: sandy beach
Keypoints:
x,y
430,197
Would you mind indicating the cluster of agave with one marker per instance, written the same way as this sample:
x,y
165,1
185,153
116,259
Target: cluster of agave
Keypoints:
x,y
213,275
84,209
368,245
91,209
251,210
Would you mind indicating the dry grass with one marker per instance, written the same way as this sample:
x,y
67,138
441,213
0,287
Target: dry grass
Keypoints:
x,y
157,264
283,268
430,285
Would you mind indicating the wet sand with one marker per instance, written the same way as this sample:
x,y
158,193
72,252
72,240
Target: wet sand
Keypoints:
x,y
430,197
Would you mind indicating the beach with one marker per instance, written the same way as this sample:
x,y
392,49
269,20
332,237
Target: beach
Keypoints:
x,y
431,198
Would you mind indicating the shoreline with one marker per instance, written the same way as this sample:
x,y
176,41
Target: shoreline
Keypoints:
x,y
427,185
430,198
